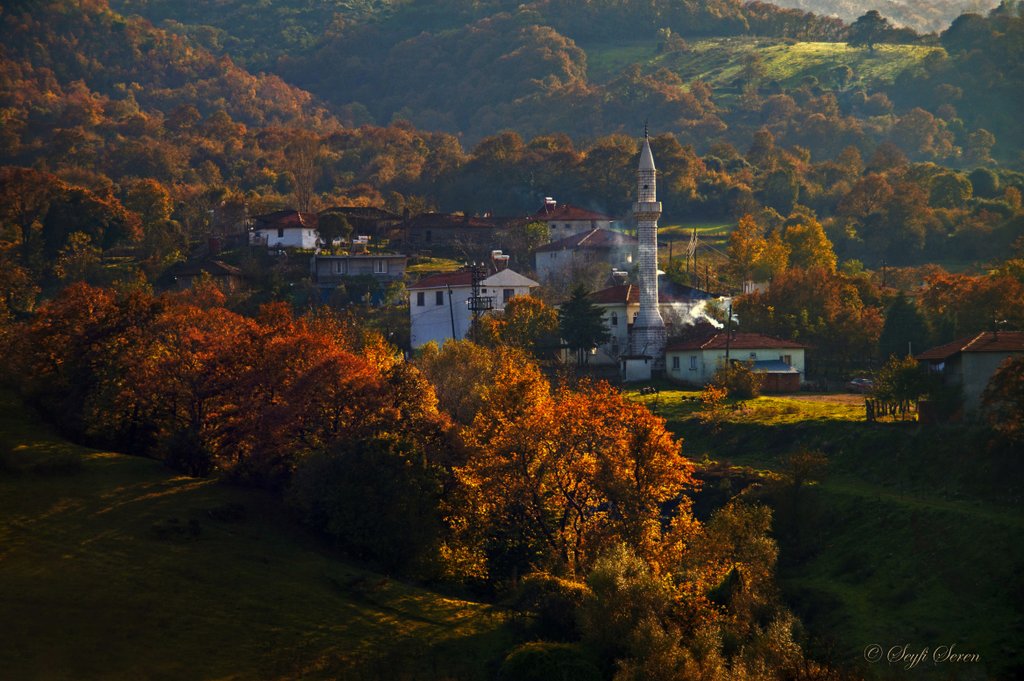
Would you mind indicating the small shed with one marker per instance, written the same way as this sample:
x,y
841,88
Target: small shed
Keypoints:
x,y
778,377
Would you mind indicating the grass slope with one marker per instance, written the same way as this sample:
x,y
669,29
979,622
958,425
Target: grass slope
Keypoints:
x,y
719,61
111,567
913,536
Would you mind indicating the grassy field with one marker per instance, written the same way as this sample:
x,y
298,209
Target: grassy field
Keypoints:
x,y
911,537
112,567
719,61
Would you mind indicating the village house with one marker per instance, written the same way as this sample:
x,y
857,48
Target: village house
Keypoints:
x,y
285,229
463,236
440,304
970,362
331,271
695,361
564,220
601,245
228,278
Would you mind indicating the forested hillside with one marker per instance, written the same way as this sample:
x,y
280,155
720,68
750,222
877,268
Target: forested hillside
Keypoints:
x,y
923,16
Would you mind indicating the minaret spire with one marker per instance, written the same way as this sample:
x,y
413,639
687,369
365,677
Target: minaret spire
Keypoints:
x,y
649,327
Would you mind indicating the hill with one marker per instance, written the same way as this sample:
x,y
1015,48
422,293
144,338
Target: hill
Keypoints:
x,y
113,567
907,536
924,16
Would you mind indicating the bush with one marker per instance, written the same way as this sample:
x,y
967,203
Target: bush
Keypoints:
x,y
739,380
375,499
545,661
554,602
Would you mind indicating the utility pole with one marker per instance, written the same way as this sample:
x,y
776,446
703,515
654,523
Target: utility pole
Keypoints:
x,y
477,304
451,311
728,334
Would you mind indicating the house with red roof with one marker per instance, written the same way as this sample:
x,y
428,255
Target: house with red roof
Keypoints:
x,y
565,220
440,305
696,360
558,259
285,229
970,362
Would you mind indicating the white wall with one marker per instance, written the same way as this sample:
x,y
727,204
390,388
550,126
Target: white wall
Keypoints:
x,y
293,237
433,322
708,361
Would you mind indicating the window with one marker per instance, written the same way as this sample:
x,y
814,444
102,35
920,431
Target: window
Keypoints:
x,y
615,318
553,256
675,362
568,226
381,266
421,299
426,237
787,359
439,298
507,294
753,356
339,267
693,362
280,232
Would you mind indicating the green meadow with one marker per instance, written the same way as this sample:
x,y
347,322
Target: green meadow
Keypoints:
x,y
113,567
719,61
908,536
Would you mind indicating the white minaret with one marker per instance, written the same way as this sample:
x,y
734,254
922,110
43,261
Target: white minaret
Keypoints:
x,y
649,327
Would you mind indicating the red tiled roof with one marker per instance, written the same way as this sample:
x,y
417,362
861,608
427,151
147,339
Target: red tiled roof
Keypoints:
x,y
986,341
668,292
442,279
598,238
738,341
286,219
565,211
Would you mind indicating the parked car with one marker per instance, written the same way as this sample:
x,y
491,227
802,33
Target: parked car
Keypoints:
x,y
860,385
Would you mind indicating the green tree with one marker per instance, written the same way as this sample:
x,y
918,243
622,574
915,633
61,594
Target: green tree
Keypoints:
x,y
905,329
869,29
950,190
332,226
581,324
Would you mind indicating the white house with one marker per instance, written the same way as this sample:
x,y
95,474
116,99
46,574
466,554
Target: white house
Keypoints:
x,y
695,361
285,229
565,220
439,305
600,245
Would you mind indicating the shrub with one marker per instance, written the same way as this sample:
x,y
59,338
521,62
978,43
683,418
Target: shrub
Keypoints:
x,y
545,661
739,380
553,600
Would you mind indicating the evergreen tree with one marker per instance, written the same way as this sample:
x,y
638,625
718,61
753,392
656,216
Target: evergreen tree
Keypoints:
x,y
905,330
581,324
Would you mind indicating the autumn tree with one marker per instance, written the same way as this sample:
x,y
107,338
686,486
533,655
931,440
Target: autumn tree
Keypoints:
x,y
526,323
808,245
1003,399
557,481
821,308
754,256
